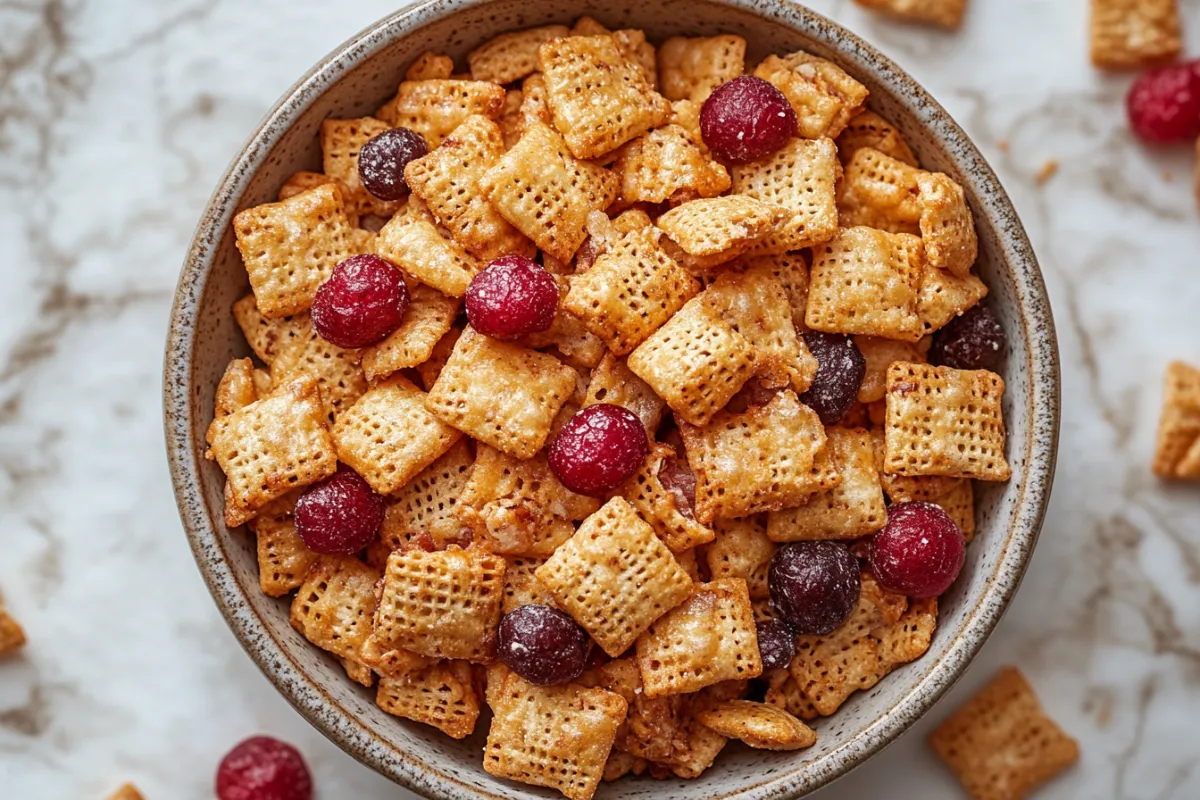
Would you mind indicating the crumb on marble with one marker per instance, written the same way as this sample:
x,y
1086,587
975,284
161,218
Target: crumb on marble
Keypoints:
x,y
126,791
1048,171
1002,145
12,636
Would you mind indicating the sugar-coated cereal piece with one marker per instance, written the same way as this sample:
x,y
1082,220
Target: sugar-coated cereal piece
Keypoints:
x,y
428,503
417,247
291,247
906,488
947,227
880,354
708,638
430,315
690,68
388,436
236,389
430,66
265,336
442,695
303,180
824,96
511,56
567,336
1135,33
760,725
791,270
613,382
802,180
943,13
670,515
959,503
444,604
333,609
431,368
709,232
741,549
615,599
283,558
943,421
666,164
879,191
1001,744
338,371
521,586
868,129
945,296
433,108
637,49
501,393
1179,422
341,140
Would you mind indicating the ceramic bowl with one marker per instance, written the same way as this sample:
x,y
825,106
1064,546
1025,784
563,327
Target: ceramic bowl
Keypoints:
x,y
357,78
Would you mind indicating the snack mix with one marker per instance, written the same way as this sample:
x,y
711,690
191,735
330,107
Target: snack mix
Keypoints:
x,y
635,396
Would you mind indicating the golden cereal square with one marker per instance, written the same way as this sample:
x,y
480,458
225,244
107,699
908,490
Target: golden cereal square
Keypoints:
x,y
791,270
945,296
947,227
1179,420
431,368
883,632
615,577
518,507
633,44
824,96
853,508
568,337
802,180
449,181
501,393
708,232
1130,34
867,281
696,362
943,13
763,459
708,638
442,695
880,353
334,605
742,550
1001,744
784,692
338,372
341,141
599,98
444,604
905,488
943,421
614,383
272,446
690,68
959,503
521,586
512,56
388,436
417,247
759,725
283,558
303,180
236,389
666,507
667,164
546,192
630,291
262,334
559,737
12,635
868,129
511,121
428,503
878,191
755,304
291,247
434,108
430,66
430,316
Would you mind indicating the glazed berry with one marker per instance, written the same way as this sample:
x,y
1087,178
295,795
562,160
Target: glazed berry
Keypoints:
x,y
1164,104
364,301
776,644
542,644
598,449
840,371
745,119
973,341
814,585
919,552
511,298
339,515
262,768
382,160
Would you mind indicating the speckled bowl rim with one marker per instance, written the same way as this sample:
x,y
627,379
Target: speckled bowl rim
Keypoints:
x,y
309,697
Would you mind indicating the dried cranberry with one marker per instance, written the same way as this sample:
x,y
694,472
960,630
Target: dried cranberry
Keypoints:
x,y
381,162
676,476
262,768
542,644
919,552
840,371
974,340
776,644
364,301
598,449
512,297
1164,104
340,514
745,119
814,585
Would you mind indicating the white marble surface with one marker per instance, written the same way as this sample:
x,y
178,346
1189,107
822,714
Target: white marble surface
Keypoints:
x,y
117,118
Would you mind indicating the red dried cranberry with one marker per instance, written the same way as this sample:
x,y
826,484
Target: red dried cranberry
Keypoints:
x,y
364,301
381,162
262,768
840,371
340,514
973,341
745,119
1164,104
542,644
919,552
814,585
511,298
776,644
598,449
676,476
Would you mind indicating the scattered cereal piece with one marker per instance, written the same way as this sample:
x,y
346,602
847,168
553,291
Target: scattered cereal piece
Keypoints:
x,y
304,180
824,96
1048,171
12,636
880,192
441,695
283,558
1001,744
521,586
333,609
511,56
945,296
1179,423
763,726
943,13
613,382
880,354
791,270
691,68
127,791
434,108
338,371
236,389
1135,33
667,164
905,488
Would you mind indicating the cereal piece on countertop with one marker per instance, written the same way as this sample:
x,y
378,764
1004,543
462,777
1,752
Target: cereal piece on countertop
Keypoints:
x,y
943,13
1179,422
1135,33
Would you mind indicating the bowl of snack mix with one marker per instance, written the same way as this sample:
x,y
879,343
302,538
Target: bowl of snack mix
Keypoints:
x,y
611,399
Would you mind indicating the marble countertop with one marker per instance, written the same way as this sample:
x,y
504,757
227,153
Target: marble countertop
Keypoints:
x,y
116,121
